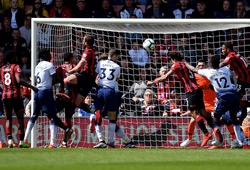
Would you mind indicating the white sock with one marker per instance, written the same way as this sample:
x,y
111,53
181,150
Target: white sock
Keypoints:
x,y
53,132
98,130
122,135
243,137
237,133
111,132
30,125
0,136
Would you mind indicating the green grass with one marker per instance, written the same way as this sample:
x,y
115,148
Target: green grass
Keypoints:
x,y
123,159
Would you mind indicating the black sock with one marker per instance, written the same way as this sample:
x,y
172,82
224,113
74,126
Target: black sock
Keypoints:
x,y
210,121
67,87
202,126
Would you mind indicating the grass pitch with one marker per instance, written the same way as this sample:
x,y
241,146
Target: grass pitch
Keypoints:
x,y
123,159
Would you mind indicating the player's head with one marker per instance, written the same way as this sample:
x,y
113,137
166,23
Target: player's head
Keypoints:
x,y
44,54
215,61
226,48
68,57
175,56
113,54
10,57
201,64
89,39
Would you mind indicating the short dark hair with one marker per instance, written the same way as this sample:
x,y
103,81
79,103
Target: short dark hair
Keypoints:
x,y
201,61
10,57
68,56
228,45
215,61
175,55
44,54
113,51
89,39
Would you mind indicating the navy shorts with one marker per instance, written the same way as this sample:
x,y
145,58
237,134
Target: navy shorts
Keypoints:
x,y
43,100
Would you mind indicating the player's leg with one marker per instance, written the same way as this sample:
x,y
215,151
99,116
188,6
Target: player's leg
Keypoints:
x,y
34,116
69,111
19,110
190,132
7,104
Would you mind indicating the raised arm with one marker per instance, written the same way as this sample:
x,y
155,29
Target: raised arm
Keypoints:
x,y
162,78
222,64
77,68
192,68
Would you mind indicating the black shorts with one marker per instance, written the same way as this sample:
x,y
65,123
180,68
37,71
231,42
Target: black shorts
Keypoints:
x,y
13,103
85,82
241,88
195,100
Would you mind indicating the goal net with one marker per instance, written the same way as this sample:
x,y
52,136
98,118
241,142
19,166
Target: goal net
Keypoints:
x,y
144,123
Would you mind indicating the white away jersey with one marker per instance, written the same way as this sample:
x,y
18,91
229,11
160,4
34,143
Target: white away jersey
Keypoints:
x,y
108,72
43,72
220,78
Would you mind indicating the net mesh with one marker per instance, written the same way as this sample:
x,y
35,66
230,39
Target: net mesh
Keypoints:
x,y
148,129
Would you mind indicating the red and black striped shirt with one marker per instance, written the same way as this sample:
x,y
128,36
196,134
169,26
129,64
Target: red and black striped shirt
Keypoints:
x,y
185,76
239,66
11,89
89,56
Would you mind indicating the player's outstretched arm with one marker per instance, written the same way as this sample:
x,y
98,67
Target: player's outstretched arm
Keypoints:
x,y
77,68
193,69
161,79
24,83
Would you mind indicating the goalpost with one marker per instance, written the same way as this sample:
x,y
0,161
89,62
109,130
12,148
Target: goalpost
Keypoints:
x,y
197,39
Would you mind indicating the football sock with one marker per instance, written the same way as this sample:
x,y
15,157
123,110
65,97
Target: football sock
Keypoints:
x,y
67,87
243,137
98,130
230,128
190,130
201,124
53,132
237,133
209,120
122,135
30,125
111,131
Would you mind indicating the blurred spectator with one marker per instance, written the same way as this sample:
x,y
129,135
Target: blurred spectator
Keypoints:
x,y
163,88
77,43
59,10
26,66
16,43
183,11
188,51
82,10
106,10
166,44
201,10
173,107
157,10
226,11
102,45
25,30
38,10
156,62
5,32
135,94
240,11
138,55
126,76
149,105
43,36
130,9
7,3
16,14
120,43
1,14
246,125
48,4
1,64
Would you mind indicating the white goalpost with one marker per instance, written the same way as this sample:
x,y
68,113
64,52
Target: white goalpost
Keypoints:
x,y
195,38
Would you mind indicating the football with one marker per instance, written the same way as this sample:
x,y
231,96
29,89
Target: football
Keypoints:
x,y
149,44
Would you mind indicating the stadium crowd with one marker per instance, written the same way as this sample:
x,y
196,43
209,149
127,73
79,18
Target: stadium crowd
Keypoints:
x,y
163,99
